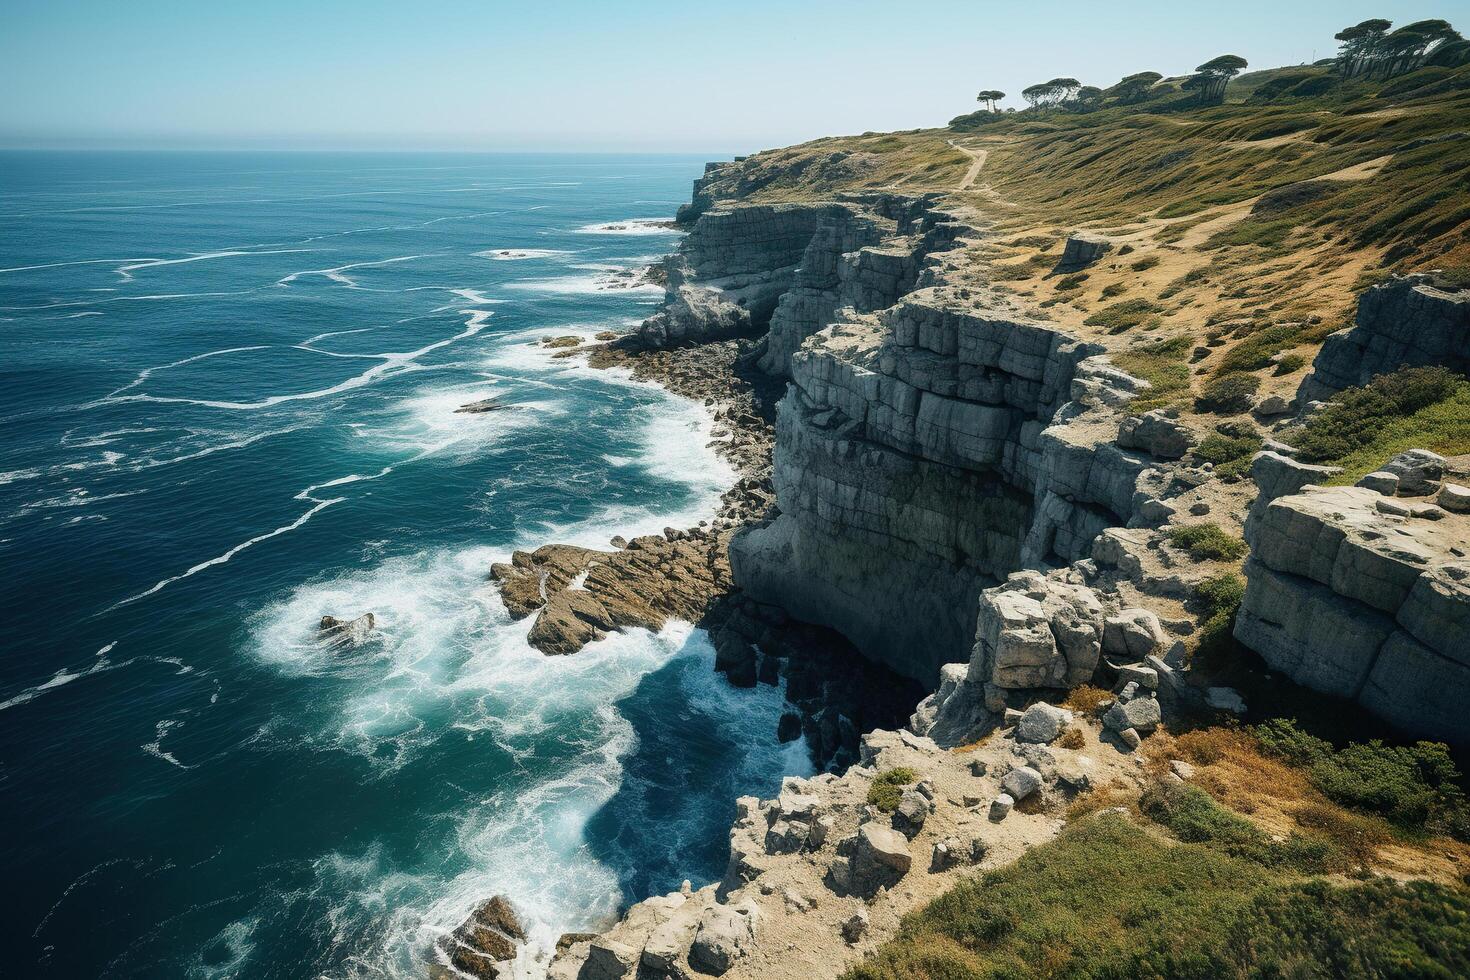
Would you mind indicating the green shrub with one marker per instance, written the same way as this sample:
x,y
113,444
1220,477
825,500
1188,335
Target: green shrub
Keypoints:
x,y
1416,787
1195,817
1426,407
1228,394
1207,542
1124,315
887,788
1145,263
1071,282
1287,363
1256,350
1230,455
1114,289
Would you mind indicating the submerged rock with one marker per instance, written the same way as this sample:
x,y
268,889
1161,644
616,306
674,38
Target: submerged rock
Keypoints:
x,y
346,632
481,406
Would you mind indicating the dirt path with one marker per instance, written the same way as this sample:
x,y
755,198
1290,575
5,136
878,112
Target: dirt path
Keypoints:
x,y
978,158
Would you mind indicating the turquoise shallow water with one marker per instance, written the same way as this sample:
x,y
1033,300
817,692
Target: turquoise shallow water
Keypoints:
x,y
227,385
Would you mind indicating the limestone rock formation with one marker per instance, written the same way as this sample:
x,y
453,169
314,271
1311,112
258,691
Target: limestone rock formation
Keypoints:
x,y
1408,321
924,454
579,594
1082,250
489,936
1363,604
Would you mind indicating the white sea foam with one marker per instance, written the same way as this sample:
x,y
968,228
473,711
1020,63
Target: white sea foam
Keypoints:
x,y
517,254
338,273
126,270
631,226
389,364
601,279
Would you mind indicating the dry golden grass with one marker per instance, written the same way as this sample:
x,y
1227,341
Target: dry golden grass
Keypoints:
x,y
1086,699
1281,799
1072,738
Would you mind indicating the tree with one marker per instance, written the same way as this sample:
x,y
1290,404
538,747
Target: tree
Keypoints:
x,y
1360,46
1406,48
1063,89
990,97
1213,76
1088,99
1133,88
1036,94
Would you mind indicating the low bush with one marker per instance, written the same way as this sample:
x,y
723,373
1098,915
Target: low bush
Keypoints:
x,y
1229,455
1162,365
1114,289
1086,699
1207,542
1124,315
1423,407
1415,787
1257,349
1287,363
1073,281
887,788
1220,595
1228,394
1195,817
1145,263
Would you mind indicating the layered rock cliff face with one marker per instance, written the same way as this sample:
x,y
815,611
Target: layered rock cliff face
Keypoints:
x,y
1408,321
922,455
1361,595
934,438
734,266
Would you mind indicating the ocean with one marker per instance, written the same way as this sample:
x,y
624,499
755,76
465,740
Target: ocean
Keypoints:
x,y
228,385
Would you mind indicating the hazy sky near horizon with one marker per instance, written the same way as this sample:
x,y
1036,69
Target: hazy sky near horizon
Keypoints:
x,y
585,75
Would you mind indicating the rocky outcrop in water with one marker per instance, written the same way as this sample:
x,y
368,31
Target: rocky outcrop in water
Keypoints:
x,y
1408,321
346,632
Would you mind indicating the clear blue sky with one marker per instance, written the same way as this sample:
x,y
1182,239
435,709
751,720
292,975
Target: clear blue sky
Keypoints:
x,y
576,74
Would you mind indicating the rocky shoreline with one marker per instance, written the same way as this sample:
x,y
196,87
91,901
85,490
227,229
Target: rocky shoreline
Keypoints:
x,y
955,497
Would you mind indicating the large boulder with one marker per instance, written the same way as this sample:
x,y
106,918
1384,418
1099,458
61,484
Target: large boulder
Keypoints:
x,y
1082,250
1036,631
1042,723
725,934
1134,633
880,858
1158,433
1406,321
346,632
1021,782
1419,472
1140,714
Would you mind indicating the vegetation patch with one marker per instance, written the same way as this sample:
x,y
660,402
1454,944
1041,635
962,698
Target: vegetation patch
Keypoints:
x,y
1195,817
1229,454
1361,428
887,788
1124,315
1186,910
1220,596
1162,365
1416,787
1228,394
1257,350
1207,542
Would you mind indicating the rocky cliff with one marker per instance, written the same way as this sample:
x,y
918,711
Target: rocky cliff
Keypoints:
x,y
1362,594
934,438
1407,321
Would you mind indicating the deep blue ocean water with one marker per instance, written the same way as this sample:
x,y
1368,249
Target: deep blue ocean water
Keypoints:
x,y
227,393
